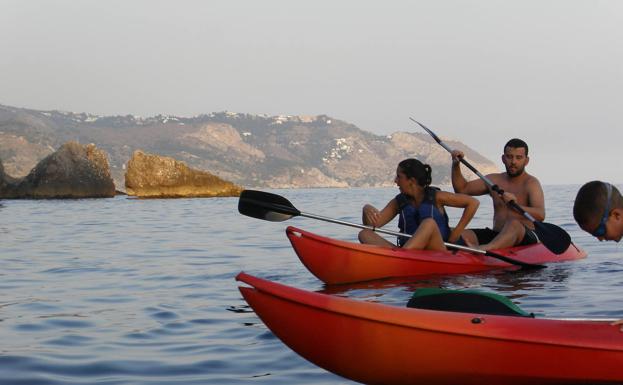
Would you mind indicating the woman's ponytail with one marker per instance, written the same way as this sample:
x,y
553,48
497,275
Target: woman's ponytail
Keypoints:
x,y
426,181
413,168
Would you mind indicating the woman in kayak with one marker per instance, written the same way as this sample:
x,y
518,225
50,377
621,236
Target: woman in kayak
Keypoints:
x,y
421,210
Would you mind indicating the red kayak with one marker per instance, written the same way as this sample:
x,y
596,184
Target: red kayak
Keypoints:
x,y
379,344
334,261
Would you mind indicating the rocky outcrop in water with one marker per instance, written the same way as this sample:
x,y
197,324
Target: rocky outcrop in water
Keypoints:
x,y
73,171
153,176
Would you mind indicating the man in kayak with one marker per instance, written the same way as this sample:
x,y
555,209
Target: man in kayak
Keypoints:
x,y
510,228
421,210
598,210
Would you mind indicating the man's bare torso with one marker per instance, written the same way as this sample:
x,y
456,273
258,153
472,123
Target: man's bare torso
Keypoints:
x,y
522,187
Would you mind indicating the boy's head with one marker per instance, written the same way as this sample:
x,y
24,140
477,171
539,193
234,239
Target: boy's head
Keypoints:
x,y
598,210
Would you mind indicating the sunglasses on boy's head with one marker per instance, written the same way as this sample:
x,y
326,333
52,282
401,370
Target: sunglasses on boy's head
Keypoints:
x,y
601,230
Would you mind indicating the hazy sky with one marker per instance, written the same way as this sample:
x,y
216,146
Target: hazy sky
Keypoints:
x,y
550,72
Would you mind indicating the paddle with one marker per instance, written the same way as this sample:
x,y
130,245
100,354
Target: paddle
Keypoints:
x,y
275,208
556,239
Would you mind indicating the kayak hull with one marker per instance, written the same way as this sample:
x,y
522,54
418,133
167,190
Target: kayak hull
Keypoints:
x,y
380,344
335,261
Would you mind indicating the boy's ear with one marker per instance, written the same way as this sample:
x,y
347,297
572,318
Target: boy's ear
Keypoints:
x,y
617,213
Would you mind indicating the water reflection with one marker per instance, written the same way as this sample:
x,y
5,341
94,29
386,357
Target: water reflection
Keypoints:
x,y
239,309
2,228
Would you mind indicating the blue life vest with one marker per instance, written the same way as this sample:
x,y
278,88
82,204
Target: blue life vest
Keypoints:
x,y
411,216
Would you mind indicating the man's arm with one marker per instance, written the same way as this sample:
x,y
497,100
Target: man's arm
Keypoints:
x,y
536,200
460,184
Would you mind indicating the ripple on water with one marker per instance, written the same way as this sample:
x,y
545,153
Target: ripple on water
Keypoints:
x,y
47,323
161,315
70,340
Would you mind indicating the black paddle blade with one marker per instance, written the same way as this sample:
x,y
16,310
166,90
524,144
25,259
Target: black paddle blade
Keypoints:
x,y
431,133
555,238
267,206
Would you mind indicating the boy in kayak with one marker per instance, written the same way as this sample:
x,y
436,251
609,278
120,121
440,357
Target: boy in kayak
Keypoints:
x,y
598,210
510,228
421,210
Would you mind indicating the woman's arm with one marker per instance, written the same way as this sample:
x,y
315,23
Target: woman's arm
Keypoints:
x,y
371,216
469,205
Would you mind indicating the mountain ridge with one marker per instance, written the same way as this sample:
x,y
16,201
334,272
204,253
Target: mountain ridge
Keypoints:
x,y
260,151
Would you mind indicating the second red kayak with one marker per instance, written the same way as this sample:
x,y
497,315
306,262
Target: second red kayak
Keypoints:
x,y
335,261
379,344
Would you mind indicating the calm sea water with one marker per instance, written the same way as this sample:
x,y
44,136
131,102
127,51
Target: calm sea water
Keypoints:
x,y
129,291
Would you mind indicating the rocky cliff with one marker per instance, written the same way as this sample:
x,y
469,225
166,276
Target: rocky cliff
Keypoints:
x,y
249,150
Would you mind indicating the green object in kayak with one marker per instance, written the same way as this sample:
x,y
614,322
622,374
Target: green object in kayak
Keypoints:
x,y
465,301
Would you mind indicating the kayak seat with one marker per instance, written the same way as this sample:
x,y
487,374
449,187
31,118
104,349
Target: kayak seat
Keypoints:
x,y
465,301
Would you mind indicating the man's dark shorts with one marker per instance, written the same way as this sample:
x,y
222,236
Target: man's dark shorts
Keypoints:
x,y
486,235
